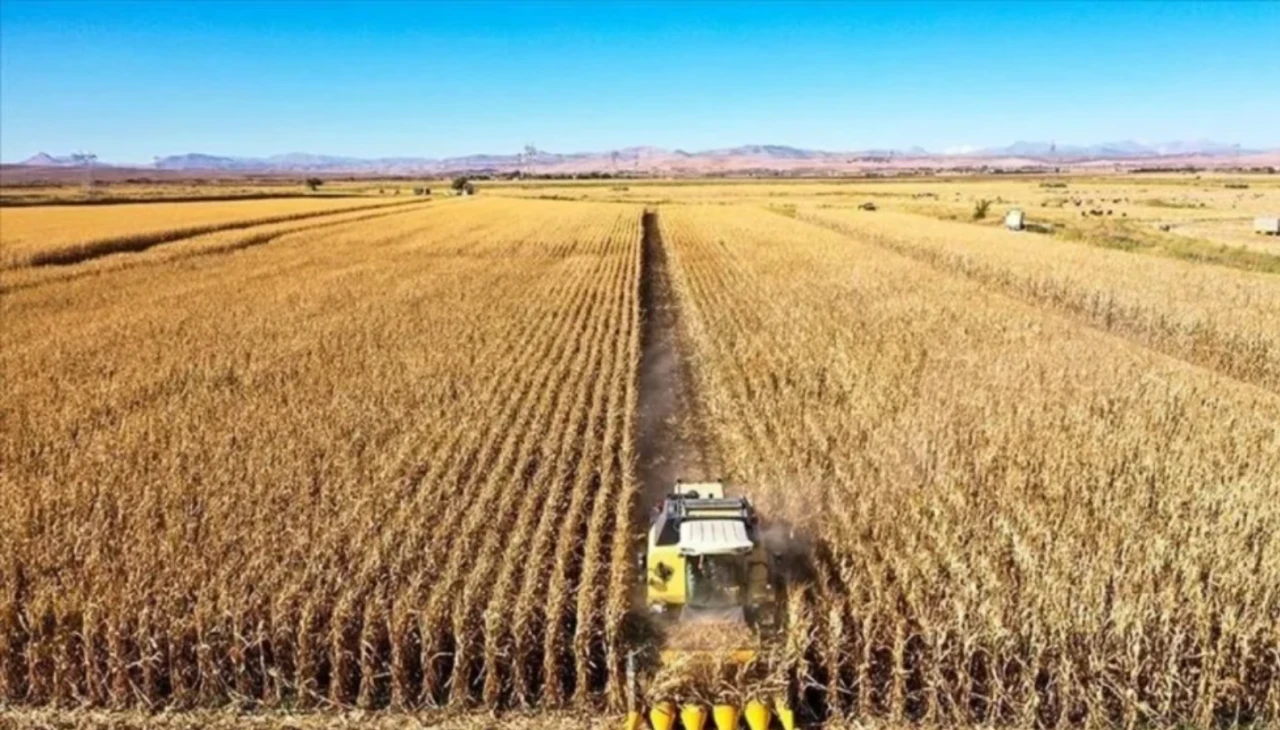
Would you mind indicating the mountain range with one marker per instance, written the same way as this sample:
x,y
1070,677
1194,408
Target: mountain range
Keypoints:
x,y
743,158
41,159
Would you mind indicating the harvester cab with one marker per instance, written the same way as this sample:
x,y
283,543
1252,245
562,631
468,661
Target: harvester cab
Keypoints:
x,y
705,560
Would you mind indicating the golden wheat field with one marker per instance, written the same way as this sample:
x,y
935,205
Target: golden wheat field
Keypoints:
x,y
274,462
55,235
184,188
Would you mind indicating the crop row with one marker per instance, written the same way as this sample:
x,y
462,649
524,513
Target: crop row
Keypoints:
x,y
58,236
387,461
357,467
1010,518
222,241
1212,316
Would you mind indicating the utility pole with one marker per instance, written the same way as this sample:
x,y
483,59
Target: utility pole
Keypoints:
x,y
86,160
530,154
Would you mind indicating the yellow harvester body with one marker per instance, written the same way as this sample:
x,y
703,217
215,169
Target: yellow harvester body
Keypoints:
x,y
705,560
707,570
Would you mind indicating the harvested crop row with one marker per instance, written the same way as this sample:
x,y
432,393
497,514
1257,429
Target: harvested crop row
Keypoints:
x,y
58,235
223,241
1010,518
1216,317
294,476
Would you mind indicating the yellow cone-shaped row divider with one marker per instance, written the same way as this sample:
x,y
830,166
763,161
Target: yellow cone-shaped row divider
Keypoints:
x,y
786,715
693,717
663,716
757,715
725,716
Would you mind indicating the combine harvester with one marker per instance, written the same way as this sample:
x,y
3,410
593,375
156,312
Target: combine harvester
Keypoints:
x,y
713,589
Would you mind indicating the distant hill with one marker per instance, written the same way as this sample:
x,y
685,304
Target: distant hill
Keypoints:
x,y
42,159
730,159
194,161
1125,149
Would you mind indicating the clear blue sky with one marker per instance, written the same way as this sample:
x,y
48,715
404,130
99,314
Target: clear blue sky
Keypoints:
x,y
133,80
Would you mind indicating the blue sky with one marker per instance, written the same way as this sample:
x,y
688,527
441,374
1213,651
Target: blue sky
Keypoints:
x,y
134,80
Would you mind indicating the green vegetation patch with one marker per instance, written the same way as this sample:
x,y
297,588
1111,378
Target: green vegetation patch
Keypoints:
x,y
1128,237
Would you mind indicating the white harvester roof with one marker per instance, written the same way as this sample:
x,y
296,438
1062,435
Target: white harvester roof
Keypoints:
x,y
714,537
704,490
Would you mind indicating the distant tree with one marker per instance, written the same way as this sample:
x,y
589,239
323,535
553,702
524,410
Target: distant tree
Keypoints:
x,y
980,209
314,183
460,184
469,189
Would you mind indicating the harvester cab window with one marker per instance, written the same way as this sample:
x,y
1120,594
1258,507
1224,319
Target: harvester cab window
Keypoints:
x,y
716,581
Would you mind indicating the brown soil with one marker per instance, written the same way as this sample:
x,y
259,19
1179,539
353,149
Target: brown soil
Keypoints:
x,y
669,444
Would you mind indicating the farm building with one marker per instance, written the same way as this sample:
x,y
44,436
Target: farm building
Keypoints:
x,y
1268,225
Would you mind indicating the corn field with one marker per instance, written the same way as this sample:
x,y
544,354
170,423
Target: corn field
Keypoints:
x,y
383,458
1216,317
41,236
371,466
1013,519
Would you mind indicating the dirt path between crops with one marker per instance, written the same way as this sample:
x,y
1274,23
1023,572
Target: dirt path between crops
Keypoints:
x,y
670,442
673,442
